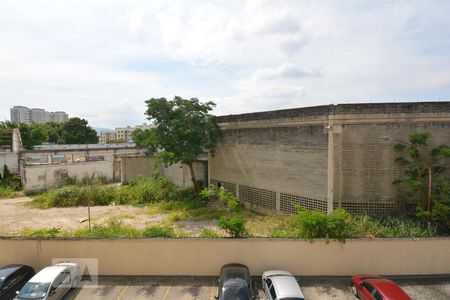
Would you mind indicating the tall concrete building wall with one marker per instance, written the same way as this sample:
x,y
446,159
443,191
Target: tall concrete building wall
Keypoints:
x,y
322,157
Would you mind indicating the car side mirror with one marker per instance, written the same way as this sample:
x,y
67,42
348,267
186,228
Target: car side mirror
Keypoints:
x,y
17,292
52,293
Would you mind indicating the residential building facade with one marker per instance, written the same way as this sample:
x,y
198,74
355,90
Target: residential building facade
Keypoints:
x,y
23,114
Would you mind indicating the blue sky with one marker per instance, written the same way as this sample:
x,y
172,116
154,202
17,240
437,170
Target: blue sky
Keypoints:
x,y
101,60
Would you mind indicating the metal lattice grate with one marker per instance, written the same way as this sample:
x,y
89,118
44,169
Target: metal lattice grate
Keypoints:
x,y
258,197
367,207
288,202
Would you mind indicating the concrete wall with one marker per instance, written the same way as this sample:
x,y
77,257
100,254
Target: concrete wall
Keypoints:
x,y
135,167
322,157
181,175
11,160
200,257
365,165
42,176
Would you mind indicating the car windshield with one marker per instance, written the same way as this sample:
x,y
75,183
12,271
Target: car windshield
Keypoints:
x,y
236,293
34,290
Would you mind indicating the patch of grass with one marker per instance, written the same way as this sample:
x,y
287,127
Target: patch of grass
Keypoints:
x,y
209,233
158,231
6,192
178,216
114,228
41,232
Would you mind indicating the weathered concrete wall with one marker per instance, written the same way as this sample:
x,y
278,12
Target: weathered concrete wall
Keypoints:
x,y
204,257
43,176
322,157
181,176
134,167
11,160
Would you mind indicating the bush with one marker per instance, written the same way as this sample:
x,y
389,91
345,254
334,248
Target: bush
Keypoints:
x,y
315,224
235,226
233,203
143,191
158,231
339,224
75,195
311,224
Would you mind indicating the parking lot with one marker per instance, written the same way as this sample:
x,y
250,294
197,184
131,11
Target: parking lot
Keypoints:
x,y
205,288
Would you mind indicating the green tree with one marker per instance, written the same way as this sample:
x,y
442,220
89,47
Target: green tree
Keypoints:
x,y
77,131
184,130
425,175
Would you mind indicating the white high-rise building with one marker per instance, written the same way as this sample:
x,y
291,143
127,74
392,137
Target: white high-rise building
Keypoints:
x,y
22,114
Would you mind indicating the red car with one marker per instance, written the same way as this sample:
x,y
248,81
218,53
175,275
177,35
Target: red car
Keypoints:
x,y
373,287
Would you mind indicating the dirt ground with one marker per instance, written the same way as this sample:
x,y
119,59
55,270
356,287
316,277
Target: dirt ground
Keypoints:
x,y
15,216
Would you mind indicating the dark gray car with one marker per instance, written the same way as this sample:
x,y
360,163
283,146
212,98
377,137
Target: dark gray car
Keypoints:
x,y
13,278
235,283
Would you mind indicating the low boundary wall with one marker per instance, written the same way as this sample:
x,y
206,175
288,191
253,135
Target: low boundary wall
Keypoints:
x,y
204,257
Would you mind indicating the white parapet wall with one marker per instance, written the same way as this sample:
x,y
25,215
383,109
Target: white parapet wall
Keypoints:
x,y
204,257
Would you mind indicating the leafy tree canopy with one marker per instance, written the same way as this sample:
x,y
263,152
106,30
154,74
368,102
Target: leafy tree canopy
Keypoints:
x,y
184,129
74,131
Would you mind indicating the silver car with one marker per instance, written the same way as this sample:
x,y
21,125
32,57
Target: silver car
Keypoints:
x,y
51,283
281,285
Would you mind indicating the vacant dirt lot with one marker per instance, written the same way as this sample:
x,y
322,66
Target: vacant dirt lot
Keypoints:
x,y
16,215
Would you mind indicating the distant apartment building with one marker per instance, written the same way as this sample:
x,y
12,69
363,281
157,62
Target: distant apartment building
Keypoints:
x,y
22,114
124,133
105,136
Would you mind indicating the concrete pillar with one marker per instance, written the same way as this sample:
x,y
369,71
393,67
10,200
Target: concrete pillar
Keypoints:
x,y
330,182
278,202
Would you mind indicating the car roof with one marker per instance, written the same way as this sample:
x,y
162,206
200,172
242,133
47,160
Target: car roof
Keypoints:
x,y
387,288
286,286
48,274
9,269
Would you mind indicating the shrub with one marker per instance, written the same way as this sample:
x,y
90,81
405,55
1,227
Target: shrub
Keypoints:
x,y
209,233
339,224
145,190
158,231
15,183
75,195
233,203
235,226
312,224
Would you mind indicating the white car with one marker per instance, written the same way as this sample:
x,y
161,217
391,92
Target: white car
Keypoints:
x,y
281,285
51,283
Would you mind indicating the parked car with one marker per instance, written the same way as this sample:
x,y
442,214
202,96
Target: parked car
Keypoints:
x,y
12,278
373,287
52,282
281,285
235,283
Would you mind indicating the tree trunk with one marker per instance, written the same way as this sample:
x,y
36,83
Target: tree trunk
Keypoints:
x,y
194,180
430,181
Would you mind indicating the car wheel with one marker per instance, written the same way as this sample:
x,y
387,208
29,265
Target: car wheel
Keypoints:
x,y
354,291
